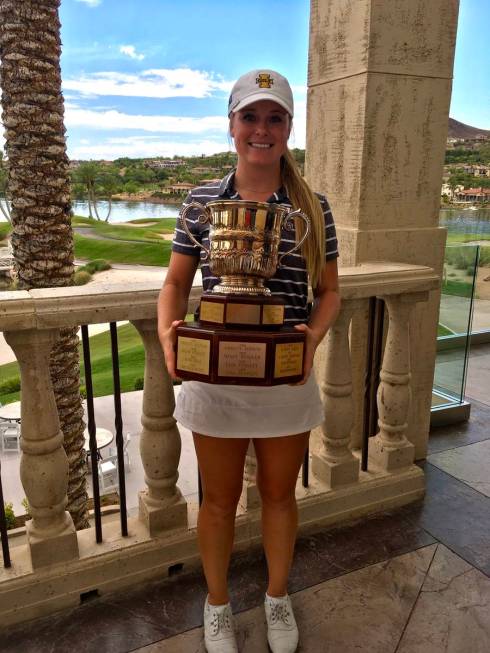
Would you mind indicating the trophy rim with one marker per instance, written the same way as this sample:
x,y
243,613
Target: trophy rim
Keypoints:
x,y
249,203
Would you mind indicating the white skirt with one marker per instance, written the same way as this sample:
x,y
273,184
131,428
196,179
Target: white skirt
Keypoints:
x,y
241,411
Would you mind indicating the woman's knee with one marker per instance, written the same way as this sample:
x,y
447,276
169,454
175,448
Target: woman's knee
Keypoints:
x,y
280,498
221,506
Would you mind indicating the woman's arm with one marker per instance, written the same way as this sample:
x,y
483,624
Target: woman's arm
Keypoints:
x,y
326,307
172,303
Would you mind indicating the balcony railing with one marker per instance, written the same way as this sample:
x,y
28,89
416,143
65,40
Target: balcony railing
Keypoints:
x,y
58,565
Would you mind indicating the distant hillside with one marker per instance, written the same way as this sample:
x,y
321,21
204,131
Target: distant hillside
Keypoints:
x,y
460,130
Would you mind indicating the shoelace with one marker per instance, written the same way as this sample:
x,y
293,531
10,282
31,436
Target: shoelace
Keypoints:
x,y
220,620
280,612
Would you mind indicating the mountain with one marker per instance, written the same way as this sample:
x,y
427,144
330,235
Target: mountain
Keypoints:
x,y
460,130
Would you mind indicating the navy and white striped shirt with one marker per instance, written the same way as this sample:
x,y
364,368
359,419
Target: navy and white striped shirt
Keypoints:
x,y
290,281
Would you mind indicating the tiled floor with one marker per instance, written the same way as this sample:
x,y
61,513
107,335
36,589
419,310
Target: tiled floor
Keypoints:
x,y
415,580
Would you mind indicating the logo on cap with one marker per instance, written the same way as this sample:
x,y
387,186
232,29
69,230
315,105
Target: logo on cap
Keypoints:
x,y
264,80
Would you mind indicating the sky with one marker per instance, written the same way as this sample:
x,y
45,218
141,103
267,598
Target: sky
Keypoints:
x,y
146,78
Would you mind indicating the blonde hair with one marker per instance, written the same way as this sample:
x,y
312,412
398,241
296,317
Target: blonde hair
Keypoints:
x,y
302,197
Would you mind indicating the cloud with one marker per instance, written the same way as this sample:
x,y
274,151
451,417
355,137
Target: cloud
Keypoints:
x,y
91,3
154,83
113,119
131,52
137,147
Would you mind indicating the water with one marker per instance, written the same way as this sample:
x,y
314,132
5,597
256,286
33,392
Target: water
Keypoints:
x,y
466,221
125,211
456,220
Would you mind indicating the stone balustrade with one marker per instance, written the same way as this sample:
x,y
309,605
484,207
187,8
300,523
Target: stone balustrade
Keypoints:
x,y
69,563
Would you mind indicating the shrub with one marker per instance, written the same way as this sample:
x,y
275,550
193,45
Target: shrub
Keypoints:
x,y
139,383
25,504
100,264
470,270
10,385
9,515
97,265
81,278
83,392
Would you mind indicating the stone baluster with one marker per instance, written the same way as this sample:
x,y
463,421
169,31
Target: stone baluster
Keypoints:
x,y
390,448
250,497
335,464
51,534
161,505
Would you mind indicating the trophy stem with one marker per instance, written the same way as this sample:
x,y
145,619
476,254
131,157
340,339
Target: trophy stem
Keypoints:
x,y
240,285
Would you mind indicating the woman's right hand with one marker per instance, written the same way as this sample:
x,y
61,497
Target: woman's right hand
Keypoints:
x,y
168,340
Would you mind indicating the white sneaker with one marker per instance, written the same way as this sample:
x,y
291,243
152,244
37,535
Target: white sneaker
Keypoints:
x,y
219,636
282,631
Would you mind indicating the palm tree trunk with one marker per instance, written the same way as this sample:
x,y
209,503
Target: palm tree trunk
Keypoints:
x,y
39,189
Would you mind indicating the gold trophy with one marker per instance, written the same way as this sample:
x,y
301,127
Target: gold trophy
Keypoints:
x,y
240,337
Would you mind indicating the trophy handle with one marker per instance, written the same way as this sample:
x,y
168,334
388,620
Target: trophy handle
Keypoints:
x,y
203,218
289,226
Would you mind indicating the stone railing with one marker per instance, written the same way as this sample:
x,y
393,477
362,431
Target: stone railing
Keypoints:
x,y
58,564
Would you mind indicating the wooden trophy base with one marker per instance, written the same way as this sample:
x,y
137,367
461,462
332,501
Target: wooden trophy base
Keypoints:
x,y
264,311
239,356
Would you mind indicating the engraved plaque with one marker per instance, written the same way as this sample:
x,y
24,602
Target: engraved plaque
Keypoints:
x,y
272,314
288,359
212,312
193,355
242,359
243,313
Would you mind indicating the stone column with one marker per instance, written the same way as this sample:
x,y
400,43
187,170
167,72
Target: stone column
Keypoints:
x,y
161,505
44,466
379,89
334,463
250,497
390,448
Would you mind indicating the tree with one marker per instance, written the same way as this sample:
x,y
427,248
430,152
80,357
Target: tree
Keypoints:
x,y
96,181
39,187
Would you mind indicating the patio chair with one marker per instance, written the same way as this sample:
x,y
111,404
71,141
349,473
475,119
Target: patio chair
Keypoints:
x,y
10,437
108,476
113,452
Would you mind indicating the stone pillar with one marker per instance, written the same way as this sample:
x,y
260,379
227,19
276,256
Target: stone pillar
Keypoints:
x,y
250,497
44,466
334,463
379,88
390,448
161,505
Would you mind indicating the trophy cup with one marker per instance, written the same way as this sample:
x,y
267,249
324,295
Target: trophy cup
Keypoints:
x,y
239,337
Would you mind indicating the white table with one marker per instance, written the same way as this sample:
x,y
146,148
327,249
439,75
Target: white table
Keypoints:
x,y
11,412
103,437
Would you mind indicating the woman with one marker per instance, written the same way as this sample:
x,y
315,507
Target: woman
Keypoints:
x,y
278,419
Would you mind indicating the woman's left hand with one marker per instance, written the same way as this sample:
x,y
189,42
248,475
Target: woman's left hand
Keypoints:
x,y
312,342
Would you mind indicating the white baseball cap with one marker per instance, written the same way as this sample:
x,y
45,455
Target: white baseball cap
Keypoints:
x,y
261,85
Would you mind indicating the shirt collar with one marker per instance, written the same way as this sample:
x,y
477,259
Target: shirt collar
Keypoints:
x,y
227,190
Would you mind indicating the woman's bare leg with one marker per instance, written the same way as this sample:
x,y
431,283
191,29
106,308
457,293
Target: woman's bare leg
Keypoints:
x,y
278,464
221,462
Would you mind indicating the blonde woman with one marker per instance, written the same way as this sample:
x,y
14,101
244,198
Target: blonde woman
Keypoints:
x,y
278,419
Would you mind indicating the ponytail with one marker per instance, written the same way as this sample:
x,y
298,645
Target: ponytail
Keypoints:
x,y
302,197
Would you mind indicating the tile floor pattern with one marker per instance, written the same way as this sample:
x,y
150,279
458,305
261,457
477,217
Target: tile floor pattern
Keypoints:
x,y
414,580
427,601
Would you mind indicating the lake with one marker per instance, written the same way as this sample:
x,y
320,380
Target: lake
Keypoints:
x,y
456,220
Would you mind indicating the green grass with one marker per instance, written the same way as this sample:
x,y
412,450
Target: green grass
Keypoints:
x,y
131,363
454,238
459,288
131,360
118,232
120,252
444,331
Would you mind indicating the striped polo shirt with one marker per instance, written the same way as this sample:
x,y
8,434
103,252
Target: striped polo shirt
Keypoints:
x,y
290,281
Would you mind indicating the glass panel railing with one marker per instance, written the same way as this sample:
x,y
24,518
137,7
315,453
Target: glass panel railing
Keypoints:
x,y
455,323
